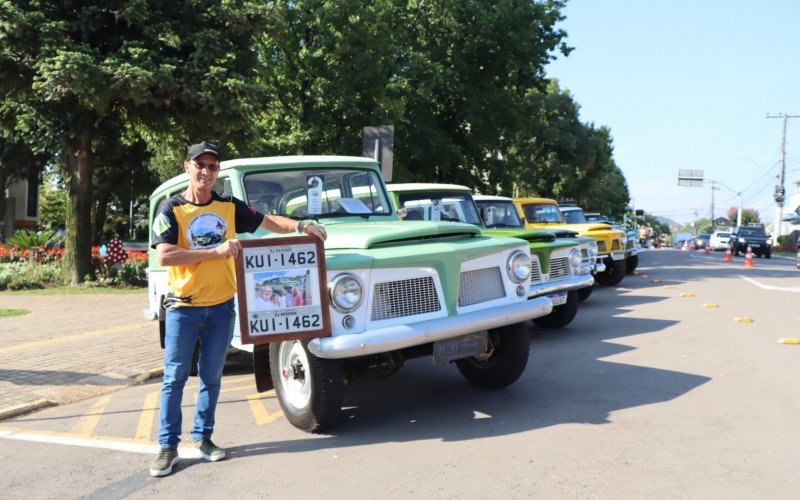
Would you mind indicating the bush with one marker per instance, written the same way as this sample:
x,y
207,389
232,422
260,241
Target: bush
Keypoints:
x,y
28,238
29,275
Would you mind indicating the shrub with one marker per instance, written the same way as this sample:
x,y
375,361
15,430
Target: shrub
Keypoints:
x,y
28,275
28,238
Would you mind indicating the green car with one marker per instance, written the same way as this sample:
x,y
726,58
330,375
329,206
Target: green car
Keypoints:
x,y
397,290
559,271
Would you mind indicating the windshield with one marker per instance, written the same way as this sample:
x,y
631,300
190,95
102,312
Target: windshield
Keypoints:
x,y
453,207
542,213
499,214
574,216
753,231
317,193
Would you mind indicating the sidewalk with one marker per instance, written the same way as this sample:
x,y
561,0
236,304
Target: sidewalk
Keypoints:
x,y
72,347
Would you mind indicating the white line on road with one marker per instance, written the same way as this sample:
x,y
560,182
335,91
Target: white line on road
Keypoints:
x,y
794,289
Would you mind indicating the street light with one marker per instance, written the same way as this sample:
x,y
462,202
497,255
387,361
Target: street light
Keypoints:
x,y
694,178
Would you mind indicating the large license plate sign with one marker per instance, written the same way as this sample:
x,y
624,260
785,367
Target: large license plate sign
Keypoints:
x,y
558,299
281,290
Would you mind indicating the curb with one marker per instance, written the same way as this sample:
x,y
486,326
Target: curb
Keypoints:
x,y
15,411
143,377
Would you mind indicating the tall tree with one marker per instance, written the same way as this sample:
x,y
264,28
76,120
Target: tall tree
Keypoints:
x,y
77,68
465,70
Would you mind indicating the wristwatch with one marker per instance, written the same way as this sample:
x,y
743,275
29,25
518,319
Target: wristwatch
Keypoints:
x,y
301,226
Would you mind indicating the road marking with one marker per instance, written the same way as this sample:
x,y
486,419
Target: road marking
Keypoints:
x,y
68,338
108,443
260,412
146,418
794,289
85,426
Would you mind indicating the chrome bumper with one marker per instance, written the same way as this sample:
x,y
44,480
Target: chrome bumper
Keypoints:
x,y
565,285
600,266
396,337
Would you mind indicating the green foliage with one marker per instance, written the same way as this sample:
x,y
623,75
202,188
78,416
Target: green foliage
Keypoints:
x,y
52,202
28,275
29,239
749,215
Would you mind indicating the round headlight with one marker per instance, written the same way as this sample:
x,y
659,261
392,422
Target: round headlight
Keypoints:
x,y
575,258
346,292
519,266
593,250
742,240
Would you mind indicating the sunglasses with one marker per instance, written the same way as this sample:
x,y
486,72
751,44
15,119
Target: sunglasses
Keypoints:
x,y
212,167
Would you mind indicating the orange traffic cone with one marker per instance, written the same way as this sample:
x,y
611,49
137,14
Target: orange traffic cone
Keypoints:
x,y
685,246
748,258
728,257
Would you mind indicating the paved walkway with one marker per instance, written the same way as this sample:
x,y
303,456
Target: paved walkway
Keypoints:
x,y
72,347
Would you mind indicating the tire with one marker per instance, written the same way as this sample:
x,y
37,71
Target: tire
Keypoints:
x,y
504,363
631,263
584,293
735,251
768,255
614,273
562,315
312,390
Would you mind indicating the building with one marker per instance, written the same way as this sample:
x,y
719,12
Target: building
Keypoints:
x,y
22,206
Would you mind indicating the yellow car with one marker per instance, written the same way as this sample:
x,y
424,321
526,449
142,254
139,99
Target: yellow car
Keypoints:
x,y
544,213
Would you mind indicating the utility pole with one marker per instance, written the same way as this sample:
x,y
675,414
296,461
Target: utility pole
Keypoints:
x,y
780,192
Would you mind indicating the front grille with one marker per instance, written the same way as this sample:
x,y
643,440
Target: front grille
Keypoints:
x,y
397,299
559,268
615,245
480,285
536,269
601,246
629,244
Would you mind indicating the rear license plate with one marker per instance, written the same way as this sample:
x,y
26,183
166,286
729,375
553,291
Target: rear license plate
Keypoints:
x,y
464,346
558,299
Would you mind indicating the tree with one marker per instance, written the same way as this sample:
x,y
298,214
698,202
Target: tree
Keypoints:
x,y
72,70
561,157
464,73
749,215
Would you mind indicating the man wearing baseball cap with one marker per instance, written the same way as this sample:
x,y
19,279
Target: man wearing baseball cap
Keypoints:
x,y
194,235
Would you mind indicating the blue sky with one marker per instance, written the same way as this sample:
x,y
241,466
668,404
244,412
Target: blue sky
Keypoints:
x,y
687,85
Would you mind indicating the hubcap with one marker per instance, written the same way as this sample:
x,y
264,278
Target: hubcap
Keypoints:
x,y
295,378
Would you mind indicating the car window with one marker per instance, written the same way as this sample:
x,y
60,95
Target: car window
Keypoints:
x,y
535,212
499,214
457,207
316,192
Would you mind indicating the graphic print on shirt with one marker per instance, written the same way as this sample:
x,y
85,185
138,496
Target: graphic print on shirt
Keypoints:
x,y
207,230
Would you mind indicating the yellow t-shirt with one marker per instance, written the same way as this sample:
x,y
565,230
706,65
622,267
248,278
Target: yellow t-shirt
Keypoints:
x,y
192,226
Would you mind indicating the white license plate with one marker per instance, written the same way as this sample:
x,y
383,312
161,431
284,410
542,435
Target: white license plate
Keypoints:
x,y
464,346
558,299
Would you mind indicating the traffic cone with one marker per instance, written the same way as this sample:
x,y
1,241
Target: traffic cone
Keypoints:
x,y
707,250
728,256
685,246
748,258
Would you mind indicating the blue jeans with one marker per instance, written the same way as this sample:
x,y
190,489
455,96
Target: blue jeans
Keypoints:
x,y
213,325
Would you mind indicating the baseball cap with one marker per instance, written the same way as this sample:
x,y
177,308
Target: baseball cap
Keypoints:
x,y
196,150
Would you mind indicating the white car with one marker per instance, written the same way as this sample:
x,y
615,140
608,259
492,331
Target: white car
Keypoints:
x,y
720,240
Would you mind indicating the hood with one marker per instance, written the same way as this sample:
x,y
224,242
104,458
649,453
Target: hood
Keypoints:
x,y
357,235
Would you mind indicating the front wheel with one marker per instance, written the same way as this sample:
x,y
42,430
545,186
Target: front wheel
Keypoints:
x,y
562,315
503,363
584,293
614,273
310,390
631,263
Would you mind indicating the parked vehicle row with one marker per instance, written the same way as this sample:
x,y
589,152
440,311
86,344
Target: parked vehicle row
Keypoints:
x,y
412,270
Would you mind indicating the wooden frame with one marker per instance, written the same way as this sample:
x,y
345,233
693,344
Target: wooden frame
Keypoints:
x,y
267,263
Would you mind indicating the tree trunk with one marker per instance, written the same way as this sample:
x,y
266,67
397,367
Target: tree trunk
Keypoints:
x,y
77,257
100,216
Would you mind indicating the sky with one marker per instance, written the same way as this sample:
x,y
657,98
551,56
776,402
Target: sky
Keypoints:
x,y
688,85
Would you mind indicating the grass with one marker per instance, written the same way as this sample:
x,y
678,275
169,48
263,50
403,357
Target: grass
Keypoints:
x,y
78,290
13,312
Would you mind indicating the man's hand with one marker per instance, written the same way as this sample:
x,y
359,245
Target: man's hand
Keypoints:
x,y
230,248
316,230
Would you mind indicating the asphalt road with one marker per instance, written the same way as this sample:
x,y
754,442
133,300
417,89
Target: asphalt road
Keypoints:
x,y
654,391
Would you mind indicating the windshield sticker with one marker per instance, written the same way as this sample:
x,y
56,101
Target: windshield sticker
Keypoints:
x,y
314,195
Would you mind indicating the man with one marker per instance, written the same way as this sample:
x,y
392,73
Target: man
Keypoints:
x,y
194,234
